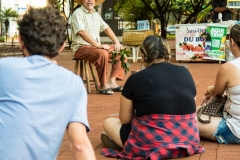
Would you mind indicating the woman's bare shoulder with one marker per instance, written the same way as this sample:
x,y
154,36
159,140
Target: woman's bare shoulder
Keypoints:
x,y
228,67
231,74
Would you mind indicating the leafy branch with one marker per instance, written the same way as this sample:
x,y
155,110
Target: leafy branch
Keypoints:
x,y
122,56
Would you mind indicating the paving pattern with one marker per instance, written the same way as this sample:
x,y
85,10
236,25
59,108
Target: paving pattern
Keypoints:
x,y
101,107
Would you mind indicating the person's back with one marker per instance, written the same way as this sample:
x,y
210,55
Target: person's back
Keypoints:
x,y
157,110
226,129
163,90
39,100
233,109
164,110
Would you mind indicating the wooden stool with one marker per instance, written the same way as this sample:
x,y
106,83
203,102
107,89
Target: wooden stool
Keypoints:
x,y
83,65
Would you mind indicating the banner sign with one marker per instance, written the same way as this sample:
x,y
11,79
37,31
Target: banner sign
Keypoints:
x,y
233,3
190,42
200,42
215,40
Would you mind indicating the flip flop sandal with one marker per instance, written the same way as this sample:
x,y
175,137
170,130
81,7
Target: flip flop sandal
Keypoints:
x,y
107,91
118,89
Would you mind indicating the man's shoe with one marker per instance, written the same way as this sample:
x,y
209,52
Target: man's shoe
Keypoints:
x,y
109,143
107,91
117,89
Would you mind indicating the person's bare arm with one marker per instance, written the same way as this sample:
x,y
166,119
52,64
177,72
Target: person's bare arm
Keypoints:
x,y
221,81
111,35
88,38
221,9
126,112
79,143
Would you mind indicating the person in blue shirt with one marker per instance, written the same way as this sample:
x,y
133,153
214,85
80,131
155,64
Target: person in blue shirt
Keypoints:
x,y
40,100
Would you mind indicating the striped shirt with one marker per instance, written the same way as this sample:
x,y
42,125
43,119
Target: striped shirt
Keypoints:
x,y
93,23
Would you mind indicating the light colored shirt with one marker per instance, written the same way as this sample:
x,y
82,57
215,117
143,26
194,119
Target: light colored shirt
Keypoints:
x,y
233,108
93,23
38,99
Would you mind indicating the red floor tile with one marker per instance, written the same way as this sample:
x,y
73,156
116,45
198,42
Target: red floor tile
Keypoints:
x,y
101,107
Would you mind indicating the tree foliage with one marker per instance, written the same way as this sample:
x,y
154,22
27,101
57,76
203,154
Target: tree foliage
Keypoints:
x,y
62,5
132,10
190,9
201,16
5,15
167,11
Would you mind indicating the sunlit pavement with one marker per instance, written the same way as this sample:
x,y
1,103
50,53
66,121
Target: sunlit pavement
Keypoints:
x,y
101,107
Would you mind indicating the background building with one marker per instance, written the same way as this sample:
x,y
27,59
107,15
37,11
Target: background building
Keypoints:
x,y
106,10
20,6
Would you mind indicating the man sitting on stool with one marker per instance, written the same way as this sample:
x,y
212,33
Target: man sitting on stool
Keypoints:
x,y
86,27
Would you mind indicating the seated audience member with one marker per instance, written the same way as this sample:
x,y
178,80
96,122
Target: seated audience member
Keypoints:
x,y
39,100
157,110
86,27
209,17
227,129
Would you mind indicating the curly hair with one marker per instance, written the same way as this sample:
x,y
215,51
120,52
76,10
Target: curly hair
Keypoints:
x,y
154,48
43,31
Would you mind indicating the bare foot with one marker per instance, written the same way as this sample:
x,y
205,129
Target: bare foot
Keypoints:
x,y
113,85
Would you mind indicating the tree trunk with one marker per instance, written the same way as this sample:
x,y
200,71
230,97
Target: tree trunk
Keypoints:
x,y
189,18
6,27
163,28
6,32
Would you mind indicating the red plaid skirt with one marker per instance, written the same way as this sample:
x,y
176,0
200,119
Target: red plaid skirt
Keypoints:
x,y
160,136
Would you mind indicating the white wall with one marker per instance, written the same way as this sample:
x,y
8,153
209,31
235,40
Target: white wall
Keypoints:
x,y
20,7
22,3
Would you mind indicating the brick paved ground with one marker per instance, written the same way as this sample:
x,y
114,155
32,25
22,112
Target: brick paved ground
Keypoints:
x,y
101,107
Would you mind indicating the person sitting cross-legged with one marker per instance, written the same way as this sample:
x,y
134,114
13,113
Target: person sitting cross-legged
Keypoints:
x,y
226,129
157,110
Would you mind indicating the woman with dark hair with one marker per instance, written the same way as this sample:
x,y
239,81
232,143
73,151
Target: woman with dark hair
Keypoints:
x,y
157,110
227,129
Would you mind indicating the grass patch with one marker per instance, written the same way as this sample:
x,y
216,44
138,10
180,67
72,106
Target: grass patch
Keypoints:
x,y
171,37
2,39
